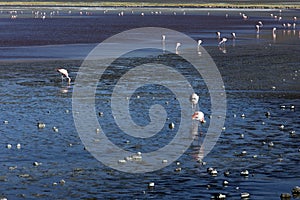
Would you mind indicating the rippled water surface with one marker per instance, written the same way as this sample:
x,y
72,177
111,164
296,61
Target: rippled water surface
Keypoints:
x,y
260,73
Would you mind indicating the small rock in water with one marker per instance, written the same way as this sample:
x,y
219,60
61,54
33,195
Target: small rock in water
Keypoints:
x,y
219,196
41,125
245,195
244,173
281,127
36,163
296,190
55,129
178,169
171,125
226,173
225,183
285,196
267,114
62,182
151,185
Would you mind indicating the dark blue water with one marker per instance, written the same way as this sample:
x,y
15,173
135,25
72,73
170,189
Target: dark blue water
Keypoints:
x,y
260,74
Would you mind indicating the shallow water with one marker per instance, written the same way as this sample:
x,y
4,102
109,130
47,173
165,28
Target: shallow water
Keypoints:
x,y
260,75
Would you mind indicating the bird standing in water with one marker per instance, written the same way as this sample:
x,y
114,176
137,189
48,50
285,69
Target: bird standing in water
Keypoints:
x,y
64,74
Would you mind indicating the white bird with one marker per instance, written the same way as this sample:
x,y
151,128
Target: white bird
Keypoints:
x,y
194,98
199,42
257,28
218,35
233,35
260,24
178,44
223,41
163,38
199,116
64,74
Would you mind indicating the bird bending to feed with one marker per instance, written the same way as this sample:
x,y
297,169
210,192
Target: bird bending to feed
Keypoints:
x,y
64,74
223,41
199,116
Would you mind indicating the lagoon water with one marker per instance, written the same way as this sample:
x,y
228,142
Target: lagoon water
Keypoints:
x,y
260,74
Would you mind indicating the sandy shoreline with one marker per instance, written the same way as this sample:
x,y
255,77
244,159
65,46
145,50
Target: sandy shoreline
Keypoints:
x,y
286,5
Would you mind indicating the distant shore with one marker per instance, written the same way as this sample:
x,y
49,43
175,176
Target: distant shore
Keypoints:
x,y
149,4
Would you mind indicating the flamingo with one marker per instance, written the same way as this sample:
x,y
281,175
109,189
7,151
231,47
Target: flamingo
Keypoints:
x,y
223,41
218,35
64,74
194,98
199,116
178,44
199,42
233,35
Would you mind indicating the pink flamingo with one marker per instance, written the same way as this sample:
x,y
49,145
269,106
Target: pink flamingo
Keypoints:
x,y
199,116
64,74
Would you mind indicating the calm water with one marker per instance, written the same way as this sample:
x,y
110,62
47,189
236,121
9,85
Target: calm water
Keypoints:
x,y
260,73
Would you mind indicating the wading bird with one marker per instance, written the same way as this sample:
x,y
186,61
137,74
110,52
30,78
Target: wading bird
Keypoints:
x,y
199,116
64,74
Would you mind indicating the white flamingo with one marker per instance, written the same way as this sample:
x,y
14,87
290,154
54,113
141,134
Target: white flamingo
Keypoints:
x,y
64,74
194,98
178,44
223,41
199,43
233,35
